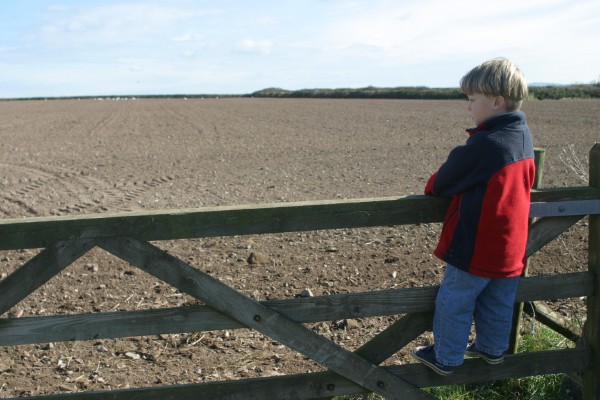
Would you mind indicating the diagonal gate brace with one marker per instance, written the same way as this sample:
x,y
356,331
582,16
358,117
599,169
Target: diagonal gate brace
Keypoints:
x,y
40,269
261,318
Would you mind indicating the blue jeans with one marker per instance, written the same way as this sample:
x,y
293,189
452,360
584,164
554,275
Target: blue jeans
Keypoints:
x,y
464,298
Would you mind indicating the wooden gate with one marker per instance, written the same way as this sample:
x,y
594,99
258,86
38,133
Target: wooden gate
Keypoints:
x,y
127,236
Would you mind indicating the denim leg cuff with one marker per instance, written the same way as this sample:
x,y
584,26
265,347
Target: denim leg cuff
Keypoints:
x,y
450,363
492,352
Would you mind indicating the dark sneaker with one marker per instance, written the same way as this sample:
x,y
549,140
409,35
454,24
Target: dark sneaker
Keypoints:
x,y
426,355
472,351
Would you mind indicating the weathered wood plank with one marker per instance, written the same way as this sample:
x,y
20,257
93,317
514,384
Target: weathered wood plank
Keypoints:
x,y
552,287
565,208
545,230
39,270
515,332
224,221
542,313
29,330
591,334
243,220
257,316
395,337
514,366
539,160
321,384
105,325
565,194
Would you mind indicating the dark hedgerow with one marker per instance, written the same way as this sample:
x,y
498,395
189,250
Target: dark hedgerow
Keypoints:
x,y
421,92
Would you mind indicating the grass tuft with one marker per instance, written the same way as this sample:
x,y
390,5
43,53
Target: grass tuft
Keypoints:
x,y
546,387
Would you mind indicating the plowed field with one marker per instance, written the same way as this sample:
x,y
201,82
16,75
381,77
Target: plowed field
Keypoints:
x,y
64,157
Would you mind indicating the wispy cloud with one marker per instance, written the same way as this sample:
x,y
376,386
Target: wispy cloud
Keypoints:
x,y
131,46
255,46
112,23
426,30
188,37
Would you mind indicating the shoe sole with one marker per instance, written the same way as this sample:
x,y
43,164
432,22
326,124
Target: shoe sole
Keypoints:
x,y
492,361
430,365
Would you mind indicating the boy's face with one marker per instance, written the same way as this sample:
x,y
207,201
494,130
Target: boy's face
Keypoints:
x,y
482,107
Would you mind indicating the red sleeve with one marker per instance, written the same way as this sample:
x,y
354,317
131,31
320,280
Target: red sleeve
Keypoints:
x,y
429,186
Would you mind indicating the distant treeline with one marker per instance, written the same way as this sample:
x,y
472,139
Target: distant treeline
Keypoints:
x,y
421,92
564,92
412,92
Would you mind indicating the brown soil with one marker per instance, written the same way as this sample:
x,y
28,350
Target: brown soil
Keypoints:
x,y
91,156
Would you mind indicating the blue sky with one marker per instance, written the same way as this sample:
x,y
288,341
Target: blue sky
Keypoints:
x,y
93,47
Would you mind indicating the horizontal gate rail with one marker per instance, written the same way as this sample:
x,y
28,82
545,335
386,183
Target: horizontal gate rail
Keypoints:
x,y
321,384
196,318
245,220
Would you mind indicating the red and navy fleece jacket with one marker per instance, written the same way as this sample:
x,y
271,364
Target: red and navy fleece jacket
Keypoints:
x,y
489,179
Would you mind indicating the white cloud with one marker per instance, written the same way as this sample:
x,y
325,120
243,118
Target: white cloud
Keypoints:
x,y
189,37
255,46
188,53
114,23
420,37
421,31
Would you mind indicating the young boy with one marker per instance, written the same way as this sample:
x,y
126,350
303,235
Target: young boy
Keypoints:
x,y
484,234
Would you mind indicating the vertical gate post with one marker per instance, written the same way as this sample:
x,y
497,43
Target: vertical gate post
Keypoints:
x,y
513,344
591,334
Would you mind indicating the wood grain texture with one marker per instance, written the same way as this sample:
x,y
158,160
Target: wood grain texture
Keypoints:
x,y
591,336
244,220
39,270
261,318
29,330
325,384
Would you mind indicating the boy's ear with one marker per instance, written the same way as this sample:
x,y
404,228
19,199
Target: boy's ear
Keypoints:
x,y
499,102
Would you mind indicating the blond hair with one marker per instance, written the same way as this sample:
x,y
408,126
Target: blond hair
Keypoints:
x,y
497,77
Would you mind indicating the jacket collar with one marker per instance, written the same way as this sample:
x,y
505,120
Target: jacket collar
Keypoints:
x,y
502,119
